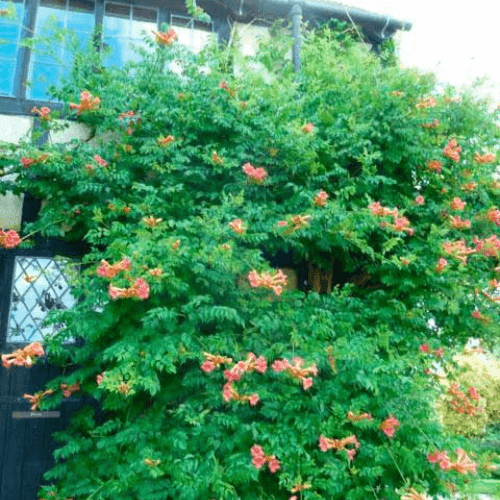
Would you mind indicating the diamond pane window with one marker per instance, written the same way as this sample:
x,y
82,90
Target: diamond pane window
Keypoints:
x,y
39,286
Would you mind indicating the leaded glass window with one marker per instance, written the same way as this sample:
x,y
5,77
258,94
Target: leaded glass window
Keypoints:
x,y
40,284
124,27
49,60
10,34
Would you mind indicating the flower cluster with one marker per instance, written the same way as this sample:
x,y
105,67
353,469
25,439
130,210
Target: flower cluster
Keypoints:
x,y
230,393
457,204
357,418
67,390
87,103
296,370
157,271
151,221
463,464
124,388
252,363
212,362
164,141
377,209
9,239
419,200
441,264
107,270
435,166
165,38
469,187
100,161
300,487
326,444
320,199
463,402
388,426
224,86
149,462
256,174
139,289
401,224
36,399
237,226
43,113
307,128
413,494
428,102
459,223
265,280
216,158
23,357
433,124
259,459
27,162
478,315
100,377
424,348
490,247
126,115
298,221
493,215
494,283
457,249
486,158
452,151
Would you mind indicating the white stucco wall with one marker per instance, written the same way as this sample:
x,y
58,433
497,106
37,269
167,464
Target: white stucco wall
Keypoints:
x,y
73,131
249,37
12,129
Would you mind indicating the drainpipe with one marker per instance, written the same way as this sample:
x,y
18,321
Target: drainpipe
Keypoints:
x,y
296,15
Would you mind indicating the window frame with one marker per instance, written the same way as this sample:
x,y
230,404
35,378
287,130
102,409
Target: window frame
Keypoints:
x,y
21,104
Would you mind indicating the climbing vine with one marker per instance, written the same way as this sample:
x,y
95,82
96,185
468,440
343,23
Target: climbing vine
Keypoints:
x,y
218,207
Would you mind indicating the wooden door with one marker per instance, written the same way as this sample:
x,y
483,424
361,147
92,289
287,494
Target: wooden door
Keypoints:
x,y
30,286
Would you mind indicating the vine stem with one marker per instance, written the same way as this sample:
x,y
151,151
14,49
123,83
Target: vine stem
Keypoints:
x,y
397,466
95,491
38,230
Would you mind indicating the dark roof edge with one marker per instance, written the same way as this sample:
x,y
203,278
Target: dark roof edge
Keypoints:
x,y
377,27
357,15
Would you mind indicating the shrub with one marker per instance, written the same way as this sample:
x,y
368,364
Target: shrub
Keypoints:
x,y
481,371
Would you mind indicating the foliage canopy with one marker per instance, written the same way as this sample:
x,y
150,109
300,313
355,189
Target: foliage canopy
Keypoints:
x,y
199,174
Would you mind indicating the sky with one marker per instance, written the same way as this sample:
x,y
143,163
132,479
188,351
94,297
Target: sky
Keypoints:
x,y
456,40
